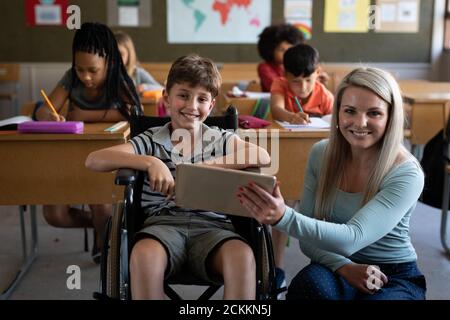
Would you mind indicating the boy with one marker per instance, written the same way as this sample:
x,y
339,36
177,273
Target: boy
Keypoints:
x,y
298,95
173,237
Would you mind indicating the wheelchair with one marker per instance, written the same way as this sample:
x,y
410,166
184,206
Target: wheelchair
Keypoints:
x,y
128,217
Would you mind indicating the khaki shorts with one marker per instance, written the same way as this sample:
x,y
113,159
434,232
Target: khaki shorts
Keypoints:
x,y
188,239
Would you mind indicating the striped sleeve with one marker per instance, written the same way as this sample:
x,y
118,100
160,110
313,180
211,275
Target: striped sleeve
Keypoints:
x,y
143,143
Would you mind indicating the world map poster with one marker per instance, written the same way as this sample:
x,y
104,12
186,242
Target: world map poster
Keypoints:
x,y
217,21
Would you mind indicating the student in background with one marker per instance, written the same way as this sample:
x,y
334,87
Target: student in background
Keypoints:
x,y
361,187
293,98
142,79
298,94
272,44
98,89
173,237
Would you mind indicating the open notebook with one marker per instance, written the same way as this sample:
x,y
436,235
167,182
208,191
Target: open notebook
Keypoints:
x,y
12,123
214,189
315,124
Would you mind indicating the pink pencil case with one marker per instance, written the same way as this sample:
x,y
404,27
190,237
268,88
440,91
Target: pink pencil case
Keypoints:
x,y
51,127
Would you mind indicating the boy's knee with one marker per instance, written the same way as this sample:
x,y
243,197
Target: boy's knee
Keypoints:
x,y
145,250
237,250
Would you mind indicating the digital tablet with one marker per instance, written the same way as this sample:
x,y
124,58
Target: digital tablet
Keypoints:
x,y
214,189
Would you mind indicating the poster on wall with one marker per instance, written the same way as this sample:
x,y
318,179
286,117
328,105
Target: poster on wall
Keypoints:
x,y
397,16
299,14
129,13
46,12
346,15
216,21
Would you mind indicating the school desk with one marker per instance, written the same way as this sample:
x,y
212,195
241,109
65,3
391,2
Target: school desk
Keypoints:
x,y
39,169
291,155
427,101
244,105
150,106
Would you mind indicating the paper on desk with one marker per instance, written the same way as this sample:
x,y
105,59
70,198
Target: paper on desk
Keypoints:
x,y
316,123
257,95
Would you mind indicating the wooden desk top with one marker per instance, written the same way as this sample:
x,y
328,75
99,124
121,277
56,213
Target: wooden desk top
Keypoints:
x,y
422,91
148,100
57,161
92,131
285,133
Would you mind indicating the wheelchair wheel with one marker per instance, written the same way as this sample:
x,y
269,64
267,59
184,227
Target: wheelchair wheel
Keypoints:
x,y
115,272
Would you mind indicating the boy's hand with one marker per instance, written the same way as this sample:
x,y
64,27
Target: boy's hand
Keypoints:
x,y
160,178
299,118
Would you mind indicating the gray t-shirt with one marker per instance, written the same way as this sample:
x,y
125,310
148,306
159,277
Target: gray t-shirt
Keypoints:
x,y
156,142
141,76
77,95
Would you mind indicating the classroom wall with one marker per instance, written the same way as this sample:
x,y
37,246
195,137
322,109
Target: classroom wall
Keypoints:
x,y
53,44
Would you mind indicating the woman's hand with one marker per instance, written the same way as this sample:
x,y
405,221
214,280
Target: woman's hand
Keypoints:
x,y
366,278
265,207
160,178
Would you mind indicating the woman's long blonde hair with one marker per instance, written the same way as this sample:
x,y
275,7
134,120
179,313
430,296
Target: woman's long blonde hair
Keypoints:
x,y
337,152
125,40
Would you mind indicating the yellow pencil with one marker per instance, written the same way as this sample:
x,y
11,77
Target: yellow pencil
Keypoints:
x,y
49,102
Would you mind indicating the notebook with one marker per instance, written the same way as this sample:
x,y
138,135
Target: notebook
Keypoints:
x,y
214,189
315,124
51,127
12,123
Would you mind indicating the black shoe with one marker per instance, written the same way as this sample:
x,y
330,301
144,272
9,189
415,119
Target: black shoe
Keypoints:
x,y
96,252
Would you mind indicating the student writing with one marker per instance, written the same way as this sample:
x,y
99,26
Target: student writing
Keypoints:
x,y
298,94
98,88
272,44
141,78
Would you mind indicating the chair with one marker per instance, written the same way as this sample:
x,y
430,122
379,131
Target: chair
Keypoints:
x,y
9,74
127,218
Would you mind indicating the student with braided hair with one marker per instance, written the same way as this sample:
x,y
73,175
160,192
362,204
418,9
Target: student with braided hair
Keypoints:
x,y
98,89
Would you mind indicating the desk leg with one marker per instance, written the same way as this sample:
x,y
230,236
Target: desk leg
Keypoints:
x,y
445,213
28,257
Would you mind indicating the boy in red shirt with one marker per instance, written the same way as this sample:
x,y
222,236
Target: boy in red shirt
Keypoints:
x,y
299,94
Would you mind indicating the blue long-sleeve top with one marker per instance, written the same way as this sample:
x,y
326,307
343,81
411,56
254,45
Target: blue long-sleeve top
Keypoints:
x,y
374,233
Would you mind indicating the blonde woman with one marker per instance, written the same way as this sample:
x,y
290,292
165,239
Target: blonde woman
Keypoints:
x,y
361,187
142,79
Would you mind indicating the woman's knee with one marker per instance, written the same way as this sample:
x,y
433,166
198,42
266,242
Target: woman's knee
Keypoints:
x,y
312,282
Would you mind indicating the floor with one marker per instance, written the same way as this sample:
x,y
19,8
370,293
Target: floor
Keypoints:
x,y
50,276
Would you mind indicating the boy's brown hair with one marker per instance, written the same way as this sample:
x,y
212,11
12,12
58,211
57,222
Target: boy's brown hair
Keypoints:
x,y
196,71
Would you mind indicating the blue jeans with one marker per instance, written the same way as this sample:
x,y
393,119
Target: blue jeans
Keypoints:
x,y
317,282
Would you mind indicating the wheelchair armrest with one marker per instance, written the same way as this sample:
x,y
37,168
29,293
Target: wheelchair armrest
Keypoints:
x,y
126,176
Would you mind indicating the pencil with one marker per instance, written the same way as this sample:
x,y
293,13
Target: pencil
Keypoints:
x,y
49,103
298,105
